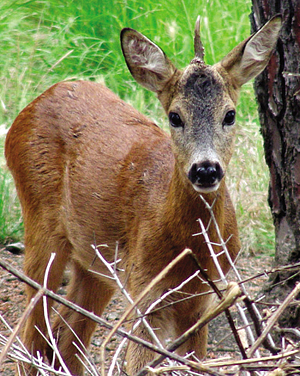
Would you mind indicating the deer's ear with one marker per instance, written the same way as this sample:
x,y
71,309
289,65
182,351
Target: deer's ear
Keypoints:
x,y
251,57
147,63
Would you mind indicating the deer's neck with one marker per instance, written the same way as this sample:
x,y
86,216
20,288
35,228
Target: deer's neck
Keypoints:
x,y
184,207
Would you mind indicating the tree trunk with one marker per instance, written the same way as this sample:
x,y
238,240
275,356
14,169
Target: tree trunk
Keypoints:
x,y
278,95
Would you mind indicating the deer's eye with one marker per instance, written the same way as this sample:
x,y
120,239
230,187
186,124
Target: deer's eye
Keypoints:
x,y
229,118
175,120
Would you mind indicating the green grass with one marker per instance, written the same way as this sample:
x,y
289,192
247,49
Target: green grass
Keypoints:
x,y
43,42
11,227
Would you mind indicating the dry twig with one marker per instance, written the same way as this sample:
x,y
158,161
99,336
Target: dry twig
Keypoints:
x,y
274,318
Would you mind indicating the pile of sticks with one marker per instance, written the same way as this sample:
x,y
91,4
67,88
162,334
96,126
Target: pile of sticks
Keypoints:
x,y
277,360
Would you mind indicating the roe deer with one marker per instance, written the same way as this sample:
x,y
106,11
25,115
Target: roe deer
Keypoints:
x,y
89,168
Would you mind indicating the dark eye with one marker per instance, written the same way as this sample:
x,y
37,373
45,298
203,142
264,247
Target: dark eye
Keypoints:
x,y
175,120
229,118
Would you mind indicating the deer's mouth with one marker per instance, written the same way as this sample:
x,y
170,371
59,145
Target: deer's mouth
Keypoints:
x,y
206,189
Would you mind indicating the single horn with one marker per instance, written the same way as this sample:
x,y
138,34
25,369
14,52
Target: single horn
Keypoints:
x,y
198,46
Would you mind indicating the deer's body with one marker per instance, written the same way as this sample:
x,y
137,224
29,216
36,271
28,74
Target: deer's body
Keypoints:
x,y
89,169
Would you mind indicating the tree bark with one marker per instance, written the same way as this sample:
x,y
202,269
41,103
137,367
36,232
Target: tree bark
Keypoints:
x,y
278,95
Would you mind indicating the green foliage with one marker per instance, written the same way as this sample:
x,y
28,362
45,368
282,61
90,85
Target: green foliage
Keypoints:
x,y
11,227
46,41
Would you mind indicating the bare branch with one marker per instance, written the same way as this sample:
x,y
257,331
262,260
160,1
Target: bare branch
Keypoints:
x,y
274,318
233,293
20,324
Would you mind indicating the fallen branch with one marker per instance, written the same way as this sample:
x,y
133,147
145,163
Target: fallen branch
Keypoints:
x,y
243,362
21,322
232,294
273,319
129,310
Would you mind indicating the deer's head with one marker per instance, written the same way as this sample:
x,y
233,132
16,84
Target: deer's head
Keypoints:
x,y
200,100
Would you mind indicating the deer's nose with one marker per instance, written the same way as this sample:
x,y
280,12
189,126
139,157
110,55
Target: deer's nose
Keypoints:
x,y
205,174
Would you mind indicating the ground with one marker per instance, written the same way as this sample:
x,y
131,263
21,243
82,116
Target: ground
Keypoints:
x,y
12,304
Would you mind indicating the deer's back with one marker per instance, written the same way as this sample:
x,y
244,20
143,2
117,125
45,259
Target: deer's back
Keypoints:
x,y
71,152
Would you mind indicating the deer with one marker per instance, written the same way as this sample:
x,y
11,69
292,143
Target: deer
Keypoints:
x,y
90,168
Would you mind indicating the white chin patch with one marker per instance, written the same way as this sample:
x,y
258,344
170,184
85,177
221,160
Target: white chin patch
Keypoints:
x,y
200,189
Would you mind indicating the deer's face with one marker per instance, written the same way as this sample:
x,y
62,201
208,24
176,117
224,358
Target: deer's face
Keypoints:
x,y
202,121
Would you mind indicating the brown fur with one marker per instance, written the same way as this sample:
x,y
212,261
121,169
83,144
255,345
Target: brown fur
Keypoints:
x,y
90,169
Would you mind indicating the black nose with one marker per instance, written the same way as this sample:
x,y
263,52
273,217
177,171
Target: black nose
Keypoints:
x,y
205,174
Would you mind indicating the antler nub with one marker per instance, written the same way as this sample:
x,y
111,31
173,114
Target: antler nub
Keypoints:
x,y
198,47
